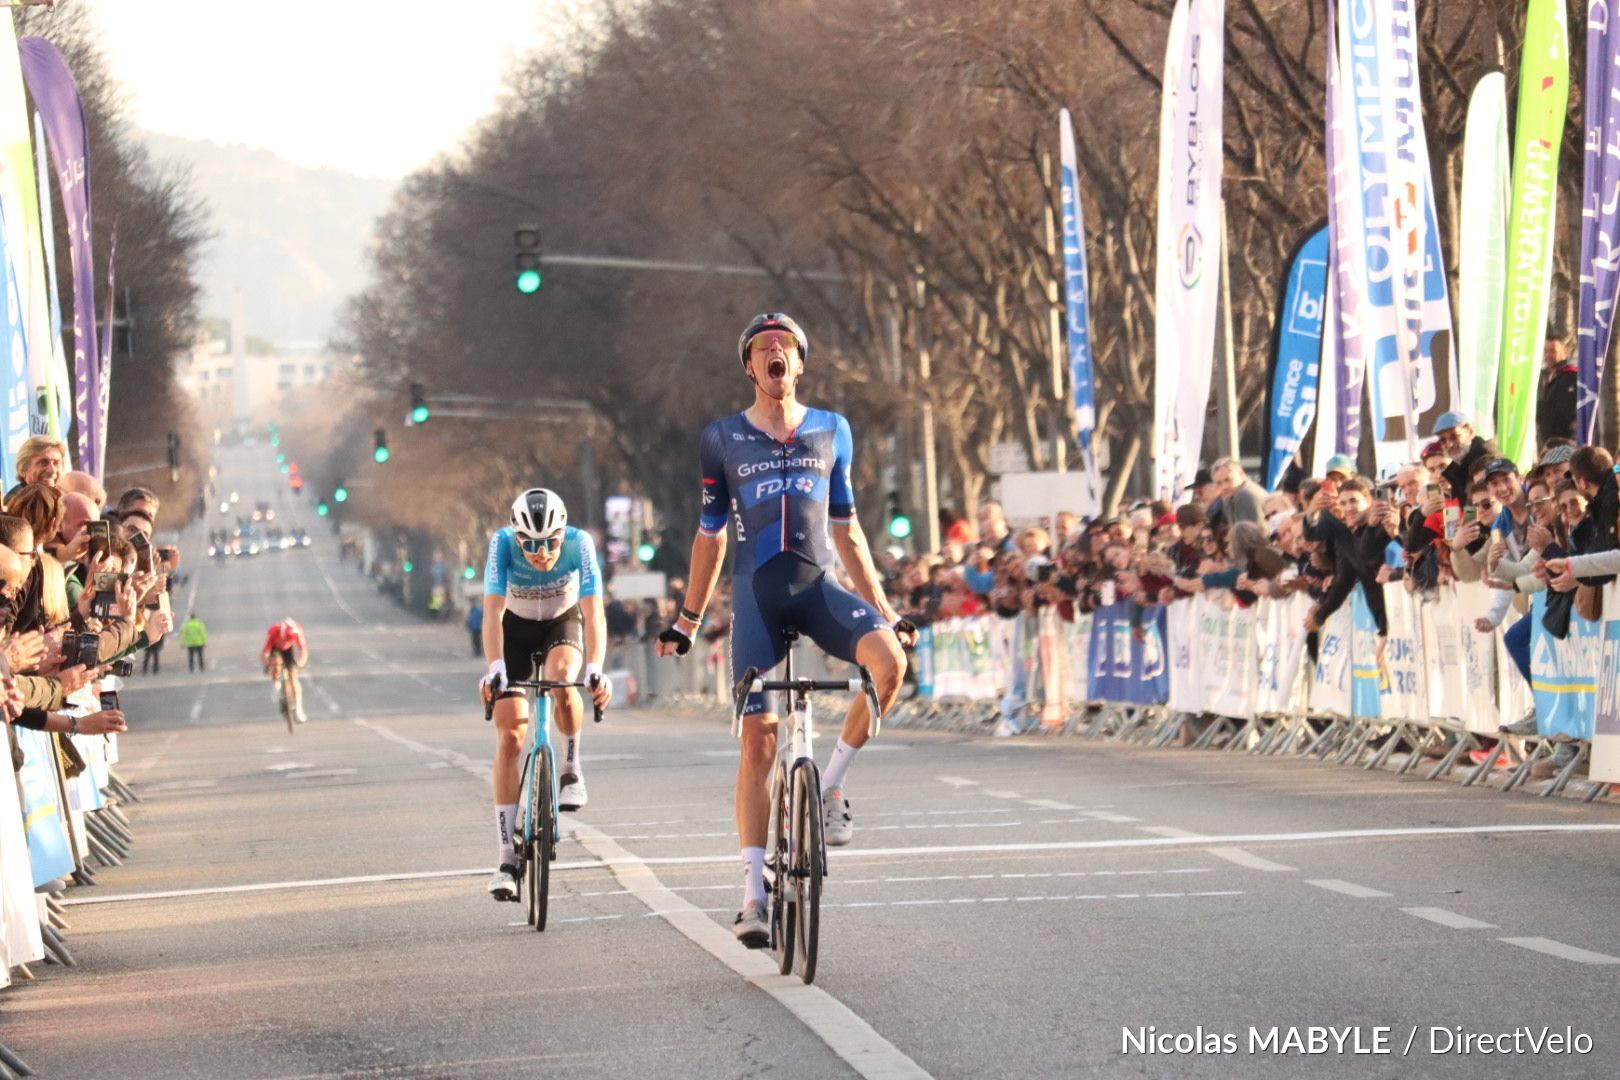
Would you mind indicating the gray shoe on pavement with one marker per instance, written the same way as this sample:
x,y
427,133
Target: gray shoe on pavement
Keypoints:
x,y
836,827
1524,725
571,793
751,928
503,883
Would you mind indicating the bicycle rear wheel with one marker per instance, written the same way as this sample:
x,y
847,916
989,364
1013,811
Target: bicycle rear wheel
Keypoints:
x,y
782,896
542,823
808,854
286,703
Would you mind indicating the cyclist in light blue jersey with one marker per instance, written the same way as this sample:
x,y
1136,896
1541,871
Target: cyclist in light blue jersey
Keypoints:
x,y
780,473
542,598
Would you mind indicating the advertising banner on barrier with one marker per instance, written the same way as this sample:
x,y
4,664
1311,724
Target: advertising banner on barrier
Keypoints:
x,y
1365,672
1563,674
1280,650
19,911
1403,693
1330,685
44,820
1227,657
922,662
1181,634
1123,670
1606,709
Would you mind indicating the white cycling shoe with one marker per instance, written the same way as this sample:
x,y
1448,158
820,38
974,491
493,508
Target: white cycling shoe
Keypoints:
x,y
571,794
750,926
836,827
503,883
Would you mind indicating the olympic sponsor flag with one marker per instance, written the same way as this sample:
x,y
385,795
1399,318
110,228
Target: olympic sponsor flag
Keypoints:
x,y
1297,354
61,111
1078,302
1407,315
1539,131
1600,213
19,192
1187,280
1344,361
1482,263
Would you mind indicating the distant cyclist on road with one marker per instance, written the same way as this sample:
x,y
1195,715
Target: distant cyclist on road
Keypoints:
x,y
781,470
285,647
541,595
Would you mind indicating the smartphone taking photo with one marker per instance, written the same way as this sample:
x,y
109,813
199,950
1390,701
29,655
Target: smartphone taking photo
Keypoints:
x,y
107,585
109,700
143,552
100,533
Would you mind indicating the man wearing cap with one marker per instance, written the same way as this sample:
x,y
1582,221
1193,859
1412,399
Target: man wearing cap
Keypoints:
x,y
1454,431
1555,401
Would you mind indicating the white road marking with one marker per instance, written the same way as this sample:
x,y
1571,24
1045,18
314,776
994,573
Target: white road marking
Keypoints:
x,y
310,883
1001,795
312,774
1171,831
183,785
845,1033
1051,804
284,766
1560,950
1348,888
1107,815
957,781
1448,918
1250,860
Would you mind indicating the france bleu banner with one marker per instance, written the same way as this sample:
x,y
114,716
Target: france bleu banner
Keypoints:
x,y
1124,670
57,97
14,419
1296,354
1078,300
1600,214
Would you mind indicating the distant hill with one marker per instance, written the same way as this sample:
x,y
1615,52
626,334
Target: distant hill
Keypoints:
x,y
293,239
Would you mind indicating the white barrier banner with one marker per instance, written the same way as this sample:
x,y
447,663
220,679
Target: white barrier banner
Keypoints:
x,y
1228,657
1486,667
19,913
1281,651
1076,659
1330,684
1403,694
1181,630
1606,714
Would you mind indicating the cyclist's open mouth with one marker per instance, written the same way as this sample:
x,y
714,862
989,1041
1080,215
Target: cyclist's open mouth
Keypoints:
x,y
776,368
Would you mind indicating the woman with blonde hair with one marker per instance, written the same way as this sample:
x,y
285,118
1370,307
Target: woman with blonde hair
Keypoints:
x,y
53,597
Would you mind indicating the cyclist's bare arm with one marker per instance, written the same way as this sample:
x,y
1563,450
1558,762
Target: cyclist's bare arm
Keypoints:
x,y
494,610
595,616
850,540
708,553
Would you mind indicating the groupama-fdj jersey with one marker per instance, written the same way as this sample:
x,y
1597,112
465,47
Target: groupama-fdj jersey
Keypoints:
x,y
539,595
783,496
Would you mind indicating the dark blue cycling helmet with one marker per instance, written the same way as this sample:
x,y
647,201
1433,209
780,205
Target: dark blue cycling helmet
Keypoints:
x,y
772,320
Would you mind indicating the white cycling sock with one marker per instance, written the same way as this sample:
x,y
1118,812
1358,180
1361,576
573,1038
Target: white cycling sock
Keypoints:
x,y
838,766
753,875
571,753
506,825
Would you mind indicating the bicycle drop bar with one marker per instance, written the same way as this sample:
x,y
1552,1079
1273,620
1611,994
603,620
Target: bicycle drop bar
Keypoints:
x,y
541,686
751,682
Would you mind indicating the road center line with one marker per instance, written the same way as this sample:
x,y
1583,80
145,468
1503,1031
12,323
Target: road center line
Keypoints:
x,y
1448,918
1348,888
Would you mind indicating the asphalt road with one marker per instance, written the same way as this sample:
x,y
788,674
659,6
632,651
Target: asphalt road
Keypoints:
x,y
313,904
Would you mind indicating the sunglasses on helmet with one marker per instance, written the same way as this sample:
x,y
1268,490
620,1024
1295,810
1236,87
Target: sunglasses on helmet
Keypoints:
x,y
536,545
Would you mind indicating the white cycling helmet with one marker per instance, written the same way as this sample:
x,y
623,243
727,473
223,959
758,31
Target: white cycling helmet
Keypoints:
x,y
538,513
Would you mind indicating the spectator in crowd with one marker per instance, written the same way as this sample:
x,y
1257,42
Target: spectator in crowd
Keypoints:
x,y
152,657
1241,498
1555,401
82,483
194,636
1357,535
1463,449
993,531
40,460
475,628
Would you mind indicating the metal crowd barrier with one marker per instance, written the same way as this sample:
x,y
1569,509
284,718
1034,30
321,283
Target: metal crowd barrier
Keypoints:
x,y
1208,673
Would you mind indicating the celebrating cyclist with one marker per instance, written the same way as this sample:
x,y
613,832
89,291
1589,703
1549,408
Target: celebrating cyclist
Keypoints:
x,y
286,648
541,599
782,471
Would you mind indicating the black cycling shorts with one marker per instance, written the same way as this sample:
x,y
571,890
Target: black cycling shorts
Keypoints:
x,y
289,658
522,640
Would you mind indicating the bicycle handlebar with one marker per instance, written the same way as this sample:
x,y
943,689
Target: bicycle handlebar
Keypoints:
x,y
753,683
541,686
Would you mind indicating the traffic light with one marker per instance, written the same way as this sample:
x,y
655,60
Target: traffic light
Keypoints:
x,y
526,260
297,482
340,493
899,523
380,454
419,406
407,566
470,573
174,458
275,435
322,509
645,552
285,471
281,459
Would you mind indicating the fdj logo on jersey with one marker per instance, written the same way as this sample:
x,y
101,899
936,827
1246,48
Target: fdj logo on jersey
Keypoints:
x,y
802,485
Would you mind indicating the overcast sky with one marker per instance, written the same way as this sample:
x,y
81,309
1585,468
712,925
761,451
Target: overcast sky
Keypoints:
x,y
375,87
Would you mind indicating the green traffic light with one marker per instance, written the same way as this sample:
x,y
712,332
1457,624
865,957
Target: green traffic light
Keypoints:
x,y
281,459
275,440
285,470
408,566
469,573
341,494
419,415
900,527
528,281
645,553
322,509
380,454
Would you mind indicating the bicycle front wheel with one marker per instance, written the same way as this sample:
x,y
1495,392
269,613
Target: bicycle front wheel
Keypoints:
x,y
782,897
808,855
542,825
287,705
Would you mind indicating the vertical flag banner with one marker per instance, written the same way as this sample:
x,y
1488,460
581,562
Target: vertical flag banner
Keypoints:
x,y
62,111
1407,318
1482,263
1600,214
1296,354
14,366
60,408
19,192
1539,132
1078,304
1187,286
1344,356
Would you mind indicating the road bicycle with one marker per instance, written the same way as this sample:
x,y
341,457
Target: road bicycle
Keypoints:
x,y
538,827
796,861
284,697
